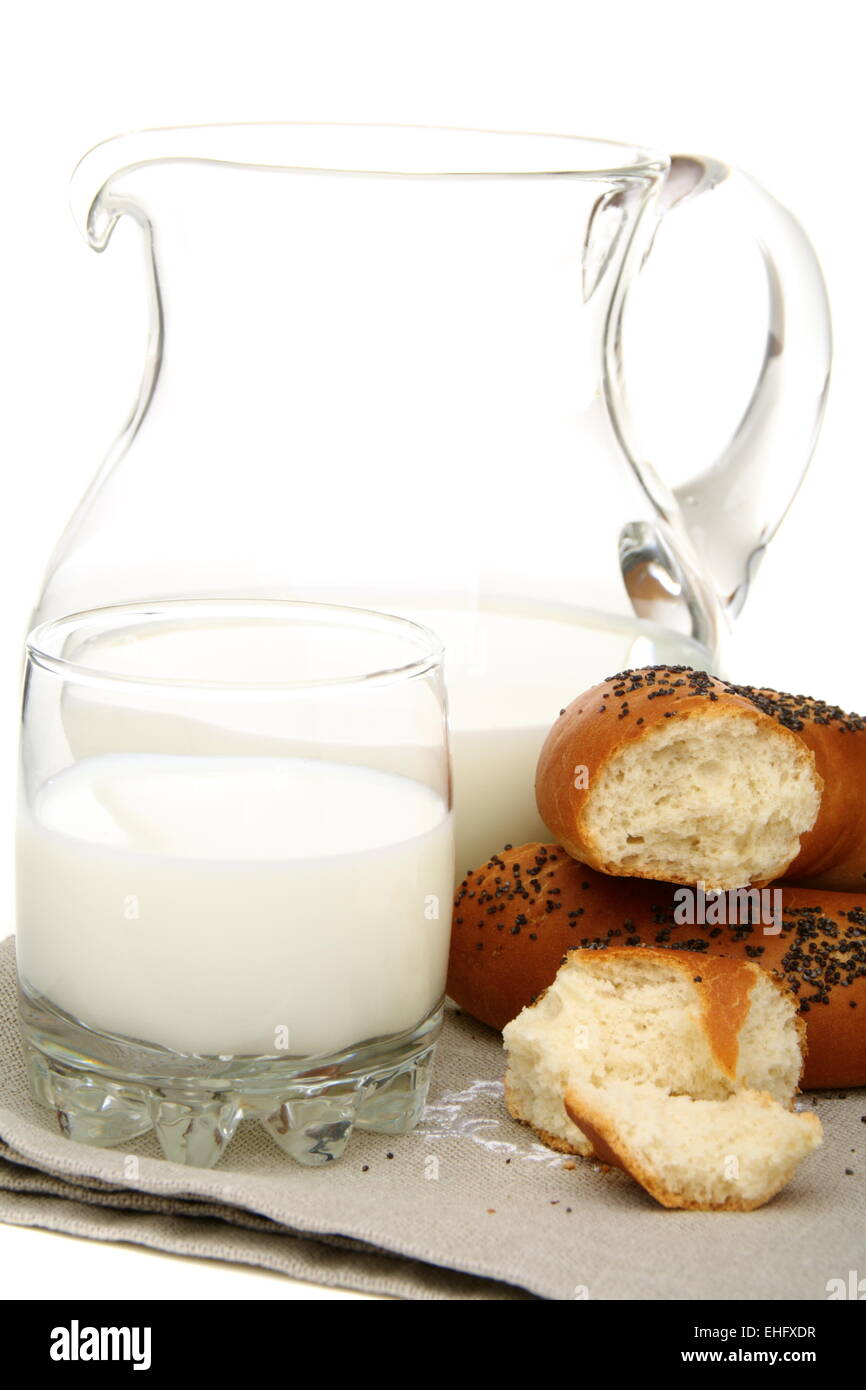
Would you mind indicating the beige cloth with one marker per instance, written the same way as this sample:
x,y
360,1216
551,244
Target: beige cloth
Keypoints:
x,y
468,1207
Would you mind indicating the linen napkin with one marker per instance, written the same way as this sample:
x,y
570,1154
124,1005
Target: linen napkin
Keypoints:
x,y
469,1206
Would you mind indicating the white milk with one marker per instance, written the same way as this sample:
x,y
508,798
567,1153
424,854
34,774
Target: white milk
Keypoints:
x,y
509,670
235,905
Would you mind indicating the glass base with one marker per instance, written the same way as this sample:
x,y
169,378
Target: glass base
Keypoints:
x,y
108,1090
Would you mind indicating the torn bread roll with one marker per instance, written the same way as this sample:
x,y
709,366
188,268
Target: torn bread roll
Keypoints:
x,y
680,1069
697,1027
668,773
516,917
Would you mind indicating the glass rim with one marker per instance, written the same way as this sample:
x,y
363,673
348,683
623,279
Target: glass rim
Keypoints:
x,y
37,644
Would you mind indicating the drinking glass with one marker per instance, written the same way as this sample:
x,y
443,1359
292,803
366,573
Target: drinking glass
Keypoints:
x,y
235,859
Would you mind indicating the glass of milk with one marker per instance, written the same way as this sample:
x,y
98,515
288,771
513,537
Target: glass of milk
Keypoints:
x,y
235,863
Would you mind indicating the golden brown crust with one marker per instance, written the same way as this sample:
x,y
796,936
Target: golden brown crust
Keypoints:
x,y
726,986
610,1148
518,915
833,853
615,713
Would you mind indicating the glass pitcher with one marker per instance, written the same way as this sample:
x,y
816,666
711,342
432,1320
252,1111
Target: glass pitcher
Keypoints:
x,y
385,367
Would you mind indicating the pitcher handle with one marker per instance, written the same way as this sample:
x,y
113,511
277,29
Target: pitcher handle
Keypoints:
x,y
732,509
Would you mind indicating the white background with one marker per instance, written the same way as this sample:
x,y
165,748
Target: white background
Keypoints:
x,y
775,86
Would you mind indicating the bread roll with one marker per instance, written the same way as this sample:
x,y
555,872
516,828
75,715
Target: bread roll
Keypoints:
x,y
697,1026
517,916
681,1069
666,773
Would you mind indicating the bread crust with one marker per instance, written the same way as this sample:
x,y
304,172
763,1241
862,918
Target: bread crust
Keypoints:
x,y
623,710
833,853
517,916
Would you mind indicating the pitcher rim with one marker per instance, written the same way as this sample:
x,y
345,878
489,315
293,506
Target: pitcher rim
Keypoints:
x,y
201,143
